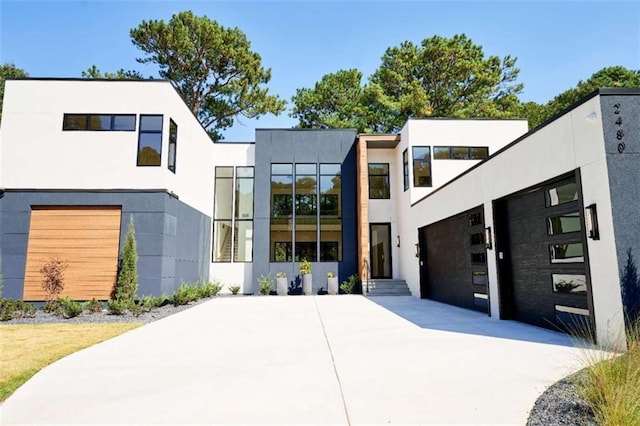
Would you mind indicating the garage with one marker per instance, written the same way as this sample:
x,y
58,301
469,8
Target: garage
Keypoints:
x,y
453,261
87,238
542,256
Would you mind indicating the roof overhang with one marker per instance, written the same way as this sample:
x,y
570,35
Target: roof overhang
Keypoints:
x,y
380,141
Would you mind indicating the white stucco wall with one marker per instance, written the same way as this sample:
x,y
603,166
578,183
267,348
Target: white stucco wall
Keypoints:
x,y
573,141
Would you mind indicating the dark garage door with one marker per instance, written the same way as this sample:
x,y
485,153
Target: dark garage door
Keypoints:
x,y
542,257
454,261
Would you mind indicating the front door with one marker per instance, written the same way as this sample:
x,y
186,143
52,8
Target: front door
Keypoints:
x,y
380,250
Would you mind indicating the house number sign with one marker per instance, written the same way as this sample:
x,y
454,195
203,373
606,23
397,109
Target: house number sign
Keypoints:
x,y
617,114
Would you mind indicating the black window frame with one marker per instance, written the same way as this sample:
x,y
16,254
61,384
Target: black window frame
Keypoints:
x,y
421,161
87,122
438,150
387,194
405,168
145,132
173,142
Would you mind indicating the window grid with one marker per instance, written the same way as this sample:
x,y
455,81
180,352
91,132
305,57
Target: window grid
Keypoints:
x,y
421,166
460,152
99,122
379,181
150,140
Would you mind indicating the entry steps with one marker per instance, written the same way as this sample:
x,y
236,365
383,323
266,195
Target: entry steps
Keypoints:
x,y
382,287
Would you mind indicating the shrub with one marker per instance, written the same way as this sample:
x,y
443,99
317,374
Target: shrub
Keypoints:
x,y
10,309
330,275
70,308
185,294
234,289
208,289
117,307
136,309
348,286
127,285
281,275
265,283
148,303
53,307
305,267
53,277
94,306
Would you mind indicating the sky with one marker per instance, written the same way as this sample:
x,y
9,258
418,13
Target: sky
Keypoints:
x,y
557,43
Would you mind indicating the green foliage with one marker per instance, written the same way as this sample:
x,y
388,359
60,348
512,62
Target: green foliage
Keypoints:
x,y
611,385
148,303
349,285
94,306
127,286
120,74
441,77
185,294
53,277
136,309
52,307
117,307
305,267
8,71
208,289
234,289
211,66
70,308
265,284
330,275
10,309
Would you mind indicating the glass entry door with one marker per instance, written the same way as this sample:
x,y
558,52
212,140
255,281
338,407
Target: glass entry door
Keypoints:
x,y
380,250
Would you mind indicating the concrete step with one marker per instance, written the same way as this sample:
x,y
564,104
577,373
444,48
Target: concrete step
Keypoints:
x,y
387,287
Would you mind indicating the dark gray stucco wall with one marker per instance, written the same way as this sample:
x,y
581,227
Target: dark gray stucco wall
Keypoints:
x,y
172,238
622,145
304,146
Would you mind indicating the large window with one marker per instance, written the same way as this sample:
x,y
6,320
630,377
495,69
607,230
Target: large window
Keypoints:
x,y
421,166
150,140
233,215
405,169
379,181
99,122
460,152
173,145
304,196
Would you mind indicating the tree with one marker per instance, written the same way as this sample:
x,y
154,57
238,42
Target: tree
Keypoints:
x,y
445,77
127,285
121,74
7,71
630,282
441,77
334,102
211,66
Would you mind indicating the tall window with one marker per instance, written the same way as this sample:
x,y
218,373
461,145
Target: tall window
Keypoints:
x,y
379,181
281,213
421,166
405,168
330,213
150,140
233,215
173,140
304,196
99,122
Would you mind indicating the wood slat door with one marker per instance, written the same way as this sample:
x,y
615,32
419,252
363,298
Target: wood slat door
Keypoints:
x,y
87,238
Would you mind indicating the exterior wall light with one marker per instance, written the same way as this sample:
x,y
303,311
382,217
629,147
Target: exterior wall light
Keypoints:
x,y
488,240
398,240
591,222
417,250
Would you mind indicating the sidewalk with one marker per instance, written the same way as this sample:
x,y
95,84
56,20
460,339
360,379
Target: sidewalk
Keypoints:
x,y
293,360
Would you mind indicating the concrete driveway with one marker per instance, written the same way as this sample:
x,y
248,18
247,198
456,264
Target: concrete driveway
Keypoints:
x,y
294,360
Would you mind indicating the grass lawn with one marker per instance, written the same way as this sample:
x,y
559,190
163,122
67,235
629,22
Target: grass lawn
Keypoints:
x,y
26,349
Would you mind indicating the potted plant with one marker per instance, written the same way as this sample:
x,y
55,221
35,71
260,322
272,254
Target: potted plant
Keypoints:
x,y
282,286
332,283
305,271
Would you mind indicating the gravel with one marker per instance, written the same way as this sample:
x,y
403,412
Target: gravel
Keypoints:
x,y
561,404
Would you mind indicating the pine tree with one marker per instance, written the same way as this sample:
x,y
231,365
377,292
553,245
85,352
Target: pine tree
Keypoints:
x,y
127,286
631,289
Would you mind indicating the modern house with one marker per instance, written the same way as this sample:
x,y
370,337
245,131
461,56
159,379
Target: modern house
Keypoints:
x,y
534,226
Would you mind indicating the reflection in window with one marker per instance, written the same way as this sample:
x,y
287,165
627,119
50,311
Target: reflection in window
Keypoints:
x,y
222,215
99,122
243,217
405,169
568,222
173,140
330,213
561,194
479,278
460,152
421,166
379,181
150,140
306,221
566,253
281,212
442,152
222,241
569,283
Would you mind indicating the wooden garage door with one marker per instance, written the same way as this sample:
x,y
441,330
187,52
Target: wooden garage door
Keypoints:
x,y
86,238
